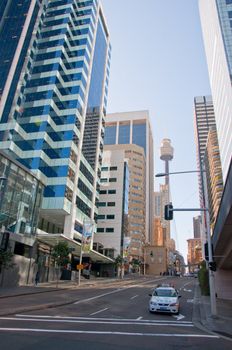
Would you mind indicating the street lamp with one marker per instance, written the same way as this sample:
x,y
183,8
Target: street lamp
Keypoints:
x,y
207,227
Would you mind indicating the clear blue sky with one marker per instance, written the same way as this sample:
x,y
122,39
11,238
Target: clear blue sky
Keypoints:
x,y
158,64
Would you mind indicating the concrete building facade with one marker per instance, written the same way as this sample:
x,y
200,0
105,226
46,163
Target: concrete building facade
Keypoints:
x,y
134,128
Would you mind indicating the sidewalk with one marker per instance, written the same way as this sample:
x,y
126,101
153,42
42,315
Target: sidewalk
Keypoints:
x,y
222,323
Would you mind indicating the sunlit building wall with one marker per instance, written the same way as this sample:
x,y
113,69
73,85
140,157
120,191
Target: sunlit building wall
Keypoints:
x,y
135,128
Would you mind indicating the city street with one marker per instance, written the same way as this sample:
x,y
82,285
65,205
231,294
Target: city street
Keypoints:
x,y
108,316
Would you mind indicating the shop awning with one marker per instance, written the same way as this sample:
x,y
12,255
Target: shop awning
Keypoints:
x,y
75,247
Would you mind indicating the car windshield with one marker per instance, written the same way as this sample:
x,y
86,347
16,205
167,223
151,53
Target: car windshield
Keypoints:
x,y
165,293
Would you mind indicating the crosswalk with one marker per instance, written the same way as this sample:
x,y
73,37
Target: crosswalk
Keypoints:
x,y
100,326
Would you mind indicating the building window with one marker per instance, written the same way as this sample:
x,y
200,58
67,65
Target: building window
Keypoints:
x,y
113,168
109,229
103,192
111,204
110,217
100,229
110,135
124,134
101,217
103,180
112,179
111,191
102,204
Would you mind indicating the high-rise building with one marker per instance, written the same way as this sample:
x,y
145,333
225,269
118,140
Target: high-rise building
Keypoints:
x,y
213,170
112,223
134,128
123,165
197,226
216,21
204,119
54,80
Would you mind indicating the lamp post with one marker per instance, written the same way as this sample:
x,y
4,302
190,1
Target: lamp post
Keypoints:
x,y
207,228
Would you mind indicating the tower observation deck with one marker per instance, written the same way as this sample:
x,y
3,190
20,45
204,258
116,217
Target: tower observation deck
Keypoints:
x,y
166,154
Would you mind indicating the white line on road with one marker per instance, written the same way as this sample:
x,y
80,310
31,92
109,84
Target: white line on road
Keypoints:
x,y
41,330
90,318
139,318
99,321
135,296
98,296
98,312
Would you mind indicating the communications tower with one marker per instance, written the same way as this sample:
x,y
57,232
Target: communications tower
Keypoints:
x,y
166,154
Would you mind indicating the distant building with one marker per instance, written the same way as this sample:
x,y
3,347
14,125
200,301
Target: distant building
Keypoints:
x,y
134,128
197,222
112,220
194,253
131,158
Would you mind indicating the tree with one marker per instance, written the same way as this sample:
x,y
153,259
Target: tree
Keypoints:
x,y
119,262
6,257
60,254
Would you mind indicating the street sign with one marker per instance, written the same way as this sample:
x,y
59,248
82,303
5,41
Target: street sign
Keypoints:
x,y
80,267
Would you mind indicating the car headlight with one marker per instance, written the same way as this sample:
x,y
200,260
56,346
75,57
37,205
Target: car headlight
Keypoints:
x,y
153,303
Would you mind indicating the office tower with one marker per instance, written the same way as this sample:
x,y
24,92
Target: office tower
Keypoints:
x,y
216,22
122,200
134,128
213,174
197,226
53,102
216,18
166,154
204,119
113,202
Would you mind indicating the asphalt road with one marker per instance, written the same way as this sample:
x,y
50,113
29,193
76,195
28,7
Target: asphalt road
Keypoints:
x,y
109,317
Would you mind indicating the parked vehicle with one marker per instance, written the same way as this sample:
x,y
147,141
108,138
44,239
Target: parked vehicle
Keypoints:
x,y
164,299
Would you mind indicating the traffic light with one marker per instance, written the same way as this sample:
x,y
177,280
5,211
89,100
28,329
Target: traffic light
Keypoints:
x,y
212,266
206,249
168,211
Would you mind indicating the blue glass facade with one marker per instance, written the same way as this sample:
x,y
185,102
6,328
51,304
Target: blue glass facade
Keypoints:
x,y
61,77
139,135
110,135
124,134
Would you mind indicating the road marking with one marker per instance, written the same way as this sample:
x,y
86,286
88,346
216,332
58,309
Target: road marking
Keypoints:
x,y
98,296
98,312
179,317
100,321
185,285
89,318
135,296
190,300
187,290
41,330
139,318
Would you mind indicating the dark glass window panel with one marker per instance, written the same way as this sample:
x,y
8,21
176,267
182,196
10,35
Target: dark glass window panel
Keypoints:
x,y
110,135
139,135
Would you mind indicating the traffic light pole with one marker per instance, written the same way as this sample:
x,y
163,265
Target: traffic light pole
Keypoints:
x,y
207,228
208,235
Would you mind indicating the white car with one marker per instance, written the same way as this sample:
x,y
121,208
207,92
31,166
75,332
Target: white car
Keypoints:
x,y
164,299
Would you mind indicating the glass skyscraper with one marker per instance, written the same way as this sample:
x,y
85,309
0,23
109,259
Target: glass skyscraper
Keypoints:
x,y
216,21
53,87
